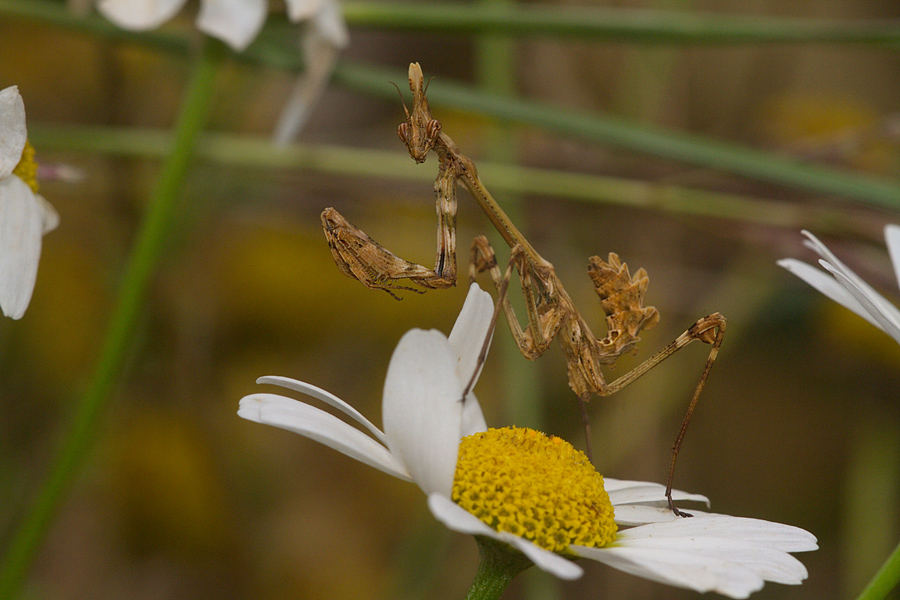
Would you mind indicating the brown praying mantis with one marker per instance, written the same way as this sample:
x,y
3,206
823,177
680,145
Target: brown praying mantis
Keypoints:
x,y
551,312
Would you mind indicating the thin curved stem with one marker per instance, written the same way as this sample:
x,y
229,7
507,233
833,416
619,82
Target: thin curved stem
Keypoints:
x,y
149,244
885,580
276,47
602,129
639,26
259,152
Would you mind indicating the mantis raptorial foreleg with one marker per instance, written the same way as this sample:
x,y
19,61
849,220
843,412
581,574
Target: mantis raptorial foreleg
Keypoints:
x,y
549,309
360,257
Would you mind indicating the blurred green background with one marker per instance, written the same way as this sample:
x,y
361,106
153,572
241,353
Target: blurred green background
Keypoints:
x,y
799,423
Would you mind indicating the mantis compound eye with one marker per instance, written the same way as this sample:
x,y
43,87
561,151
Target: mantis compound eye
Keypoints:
x,y
433,129
403,132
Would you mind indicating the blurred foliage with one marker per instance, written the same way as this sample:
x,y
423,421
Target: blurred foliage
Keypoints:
x,y
184,500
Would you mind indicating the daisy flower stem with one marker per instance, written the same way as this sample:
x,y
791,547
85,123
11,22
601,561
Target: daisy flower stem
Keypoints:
x,y
500,564
885,580
150,241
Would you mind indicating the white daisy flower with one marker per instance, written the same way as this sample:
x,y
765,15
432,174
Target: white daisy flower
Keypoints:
x,y
845,287
24,215
533,492
235,22
326,35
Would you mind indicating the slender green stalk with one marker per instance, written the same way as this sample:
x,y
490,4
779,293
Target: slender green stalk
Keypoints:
x,y
499,566
275,49
885,580
142,263
258,152
612,131
595,23
261,153
628,25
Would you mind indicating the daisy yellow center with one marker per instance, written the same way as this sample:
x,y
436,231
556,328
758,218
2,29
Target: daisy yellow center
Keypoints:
x,y
535,486
27,168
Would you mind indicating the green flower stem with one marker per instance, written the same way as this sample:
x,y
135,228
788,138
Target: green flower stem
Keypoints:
x,y
595,23
615,24
885,580
499,566
607,130
276,47
245,151
142,263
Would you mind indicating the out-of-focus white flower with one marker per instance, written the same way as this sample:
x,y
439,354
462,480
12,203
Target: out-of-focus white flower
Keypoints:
x,y
846,288
326,35
24,215
523,488
237,23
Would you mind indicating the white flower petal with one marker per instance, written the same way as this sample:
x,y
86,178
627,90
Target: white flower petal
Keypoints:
x,y
300,10
467,339
321,57
21,230
873,302
320,426
545,560
12,129
885,307
632,515
731,567
458,519
880,307
892,237
473,418
235,22
139,14
50,219
613,485
679,568
422,409
326,397
325,36
767,563
328,23
471,329
828,286
822,250
733,556
785,538
642,492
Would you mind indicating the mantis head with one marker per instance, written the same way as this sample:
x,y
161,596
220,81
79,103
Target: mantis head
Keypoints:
x,y
420,131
